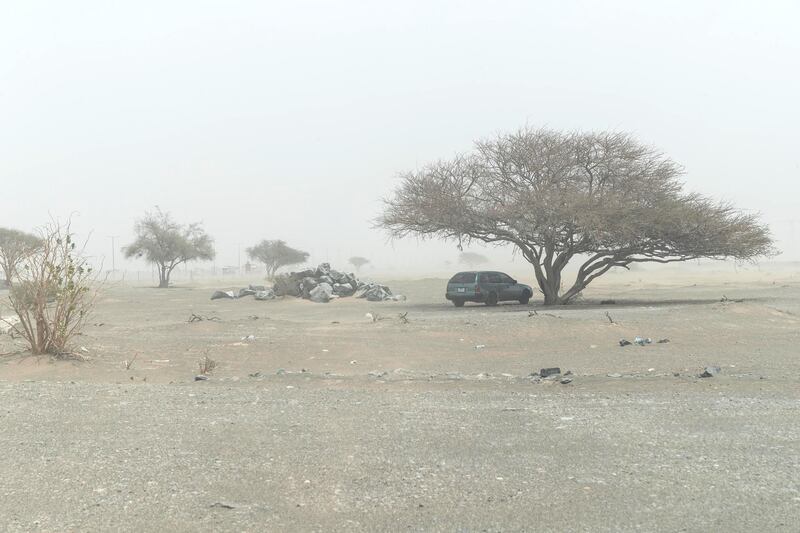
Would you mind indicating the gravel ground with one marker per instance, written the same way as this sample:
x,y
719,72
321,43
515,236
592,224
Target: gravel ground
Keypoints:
x,y
296,453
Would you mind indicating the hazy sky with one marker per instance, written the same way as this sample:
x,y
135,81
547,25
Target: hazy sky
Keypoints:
x,y
291,119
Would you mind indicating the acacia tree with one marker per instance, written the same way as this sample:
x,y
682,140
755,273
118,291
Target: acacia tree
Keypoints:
x,y
15,246
167,244
472,259
276,254
358,262
602,199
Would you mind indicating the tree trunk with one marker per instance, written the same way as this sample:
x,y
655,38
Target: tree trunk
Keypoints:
x,y
163,278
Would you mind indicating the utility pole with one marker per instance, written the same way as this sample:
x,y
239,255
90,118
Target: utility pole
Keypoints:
x,y
113,253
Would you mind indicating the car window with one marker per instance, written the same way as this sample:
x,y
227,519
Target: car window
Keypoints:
x,y
506,278
494,277
463,277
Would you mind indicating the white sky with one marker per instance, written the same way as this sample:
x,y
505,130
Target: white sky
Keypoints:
x,y
291,119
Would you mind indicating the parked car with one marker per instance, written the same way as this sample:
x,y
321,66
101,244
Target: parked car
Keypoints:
x,y
486,287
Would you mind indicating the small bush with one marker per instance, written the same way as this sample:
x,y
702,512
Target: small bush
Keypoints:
x,y
53,292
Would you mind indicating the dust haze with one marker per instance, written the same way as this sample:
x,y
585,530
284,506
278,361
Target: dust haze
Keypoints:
x,y
292,121
318,353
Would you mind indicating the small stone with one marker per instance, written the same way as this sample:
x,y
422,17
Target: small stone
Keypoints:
x,y
710,371
547,372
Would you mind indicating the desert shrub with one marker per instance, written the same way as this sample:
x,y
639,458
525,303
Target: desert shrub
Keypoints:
x,y
53,292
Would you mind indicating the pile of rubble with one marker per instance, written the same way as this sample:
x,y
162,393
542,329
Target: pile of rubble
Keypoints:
x,y
321,285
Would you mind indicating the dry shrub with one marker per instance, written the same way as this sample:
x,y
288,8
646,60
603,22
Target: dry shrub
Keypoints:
x,y
53,292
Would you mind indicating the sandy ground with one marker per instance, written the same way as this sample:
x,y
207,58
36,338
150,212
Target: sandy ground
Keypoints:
x,y
326,420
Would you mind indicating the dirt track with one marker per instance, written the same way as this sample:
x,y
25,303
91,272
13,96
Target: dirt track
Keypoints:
x,y
410,426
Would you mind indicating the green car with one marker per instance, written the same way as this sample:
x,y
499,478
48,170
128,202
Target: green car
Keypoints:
x,y
486,287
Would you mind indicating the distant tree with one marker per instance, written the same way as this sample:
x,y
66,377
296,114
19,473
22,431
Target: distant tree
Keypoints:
x,y
167,244
603,199
358,262
15,246
275,255
472,259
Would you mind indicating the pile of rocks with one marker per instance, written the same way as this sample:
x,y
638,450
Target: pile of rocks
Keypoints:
x,y
323,284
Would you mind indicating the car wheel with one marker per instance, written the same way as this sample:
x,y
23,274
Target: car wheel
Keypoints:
x,y
491,299
526,296
458,303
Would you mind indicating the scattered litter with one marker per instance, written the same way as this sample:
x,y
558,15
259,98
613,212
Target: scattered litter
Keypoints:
x,y
641,341
624,342
651,369
565,381
200,318
249,338
255,374
725,299
710,371
614,375
201,378
480,346
222,505
353,362
662,341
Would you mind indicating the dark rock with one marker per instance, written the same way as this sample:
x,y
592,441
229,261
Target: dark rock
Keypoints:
x,y
623,342
547,372
663,341
201,377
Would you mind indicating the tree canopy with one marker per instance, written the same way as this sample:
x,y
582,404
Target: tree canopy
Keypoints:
x,y
167,244
275,255
603,199
15,245
358,261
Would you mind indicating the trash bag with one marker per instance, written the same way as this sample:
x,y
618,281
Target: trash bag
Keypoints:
x,y
343,289
246,292
286,285
321,293
220,295
267,294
